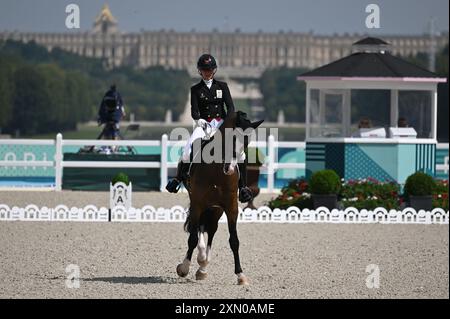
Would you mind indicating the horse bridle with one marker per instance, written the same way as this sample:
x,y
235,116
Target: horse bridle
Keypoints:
x,y
233,162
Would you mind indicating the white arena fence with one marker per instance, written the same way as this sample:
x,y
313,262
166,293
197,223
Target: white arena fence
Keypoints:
x,y
58,162
263,214
270,167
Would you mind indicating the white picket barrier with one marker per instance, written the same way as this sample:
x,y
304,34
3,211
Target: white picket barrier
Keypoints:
x,y
177,214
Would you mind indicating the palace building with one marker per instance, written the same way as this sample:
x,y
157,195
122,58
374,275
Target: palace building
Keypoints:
x,y
239,54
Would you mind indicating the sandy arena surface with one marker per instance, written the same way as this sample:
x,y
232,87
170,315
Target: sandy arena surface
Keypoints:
x,y
138,260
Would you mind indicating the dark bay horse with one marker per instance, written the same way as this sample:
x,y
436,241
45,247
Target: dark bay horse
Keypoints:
x,y
213,190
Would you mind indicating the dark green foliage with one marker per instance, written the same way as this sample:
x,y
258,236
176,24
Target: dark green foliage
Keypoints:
x,y
48,92
296,193
121,177
440,194
325,182
361,194
282,91
419,184
370,193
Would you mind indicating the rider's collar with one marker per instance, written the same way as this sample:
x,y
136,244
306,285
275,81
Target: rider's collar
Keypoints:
x,y
208,83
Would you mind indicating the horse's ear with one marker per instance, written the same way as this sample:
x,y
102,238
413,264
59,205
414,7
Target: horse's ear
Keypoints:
x,y
256,124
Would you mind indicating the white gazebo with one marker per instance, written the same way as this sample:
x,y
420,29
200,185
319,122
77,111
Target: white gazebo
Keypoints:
x,y
371,114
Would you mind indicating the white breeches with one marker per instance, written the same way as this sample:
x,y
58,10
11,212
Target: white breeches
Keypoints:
x,y
206,133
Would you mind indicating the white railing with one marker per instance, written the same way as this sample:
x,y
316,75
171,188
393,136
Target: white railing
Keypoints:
x,y
270,167
263,214
60,163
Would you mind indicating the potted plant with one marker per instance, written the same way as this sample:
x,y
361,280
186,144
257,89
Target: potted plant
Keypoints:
x,y
255,159
120,177
118,194
419,190
325,185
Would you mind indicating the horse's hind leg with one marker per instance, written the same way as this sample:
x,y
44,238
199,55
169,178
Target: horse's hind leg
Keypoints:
x,y
234,244
201,257
201,247
204,252
212,228
183,268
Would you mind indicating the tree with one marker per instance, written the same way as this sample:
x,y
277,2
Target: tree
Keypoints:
x,y
282,91
30,102
74,86
5,94
52,87
442,62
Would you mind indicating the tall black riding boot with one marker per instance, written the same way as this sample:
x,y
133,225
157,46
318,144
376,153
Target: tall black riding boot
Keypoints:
x,y
245,194
174,185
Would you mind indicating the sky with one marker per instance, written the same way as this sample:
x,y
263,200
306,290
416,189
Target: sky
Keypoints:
x,y
320,16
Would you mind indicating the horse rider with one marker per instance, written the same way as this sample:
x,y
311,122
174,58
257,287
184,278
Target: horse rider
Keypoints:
x,y
110,113
208,100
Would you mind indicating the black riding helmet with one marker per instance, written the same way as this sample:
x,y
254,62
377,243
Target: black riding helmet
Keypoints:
x,y
206,62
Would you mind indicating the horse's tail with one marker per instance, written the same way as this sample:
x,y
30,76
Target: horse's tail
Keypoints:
x,y
203,220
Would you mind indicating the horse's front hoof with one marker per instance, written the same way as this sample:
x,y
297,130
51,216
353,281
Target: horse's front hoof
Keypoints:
x,y
201,275
243,280
182,270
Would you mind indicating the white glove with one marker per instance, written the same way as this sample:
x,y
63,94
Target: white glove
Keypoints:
x,y
202,123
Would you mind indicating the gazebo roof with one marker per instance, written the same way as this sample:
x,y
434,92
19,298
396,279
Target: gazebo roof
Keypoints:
x,y
362,64
370,41
372,64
